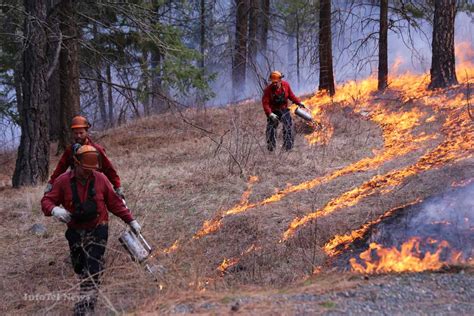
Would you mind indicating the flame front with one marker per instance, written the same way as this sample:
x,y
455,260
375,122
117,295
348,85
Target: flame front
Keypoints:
x,y
399,140
399,111
227,263
172,248
214,224
339,243
457,145
408,258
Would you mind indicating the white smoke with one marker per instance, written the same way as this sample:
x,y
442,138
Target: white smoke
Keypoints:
x,y
410,51
449,216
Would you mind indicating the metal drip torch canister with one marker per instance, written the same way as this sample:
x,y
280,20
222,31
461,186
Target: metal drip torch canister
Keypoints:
x,y
304,114
136,245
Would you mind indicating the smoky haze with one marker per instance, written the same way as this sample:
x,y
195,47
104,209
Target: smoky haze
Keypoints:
x,y
403,55
410,51
449,216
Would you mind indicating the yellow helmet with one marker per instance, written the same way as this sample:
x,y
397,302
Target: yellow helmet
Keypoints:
x,y
87,157
275,76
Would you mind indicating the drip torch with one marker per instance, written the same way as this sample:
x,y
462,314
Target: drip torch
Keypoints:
x,y
304,113
138,248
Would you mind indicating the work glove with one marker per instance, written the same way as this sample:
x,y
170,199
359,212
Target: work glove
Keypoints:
x,y
273,117
119,192
136,228
48,188
61,214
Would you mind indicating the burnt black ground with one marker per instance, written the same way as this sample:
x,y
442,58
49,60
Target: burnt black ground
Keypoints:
x,y
447,216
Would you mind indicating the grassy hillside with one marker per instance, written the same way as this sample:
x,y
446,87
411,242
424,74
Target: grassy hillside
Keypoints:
x,y
207,192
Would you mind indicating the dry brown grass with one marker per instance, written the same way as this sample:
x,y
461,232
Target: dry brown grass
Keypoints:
x,y
175,177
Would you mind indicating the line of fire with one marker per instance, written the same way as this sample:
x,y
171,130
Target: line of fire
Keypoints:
x,y
435,243
271,157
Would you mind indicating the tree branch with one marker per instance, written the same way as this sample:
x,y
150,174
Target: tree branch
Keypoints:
x,y
56,57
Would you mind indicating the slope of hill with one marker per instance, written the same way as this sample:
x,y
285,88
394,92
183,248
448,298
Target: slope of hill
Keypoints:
x,y
231,222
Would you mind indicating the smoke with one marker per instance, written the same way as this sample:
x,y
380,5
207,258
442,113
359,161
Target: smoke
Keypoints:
x,y
9,134
281,55
408,50
449,216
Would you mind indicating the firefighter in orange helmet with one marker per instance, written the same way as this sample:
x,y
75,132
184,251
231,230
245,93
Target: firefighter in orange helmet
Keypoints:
x,y
82,198
80,127
275,104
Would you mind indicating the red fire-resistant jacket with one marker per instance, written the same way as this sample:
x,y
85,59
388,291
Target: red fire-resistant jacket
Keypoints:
x,y
106,166
268,93
105,197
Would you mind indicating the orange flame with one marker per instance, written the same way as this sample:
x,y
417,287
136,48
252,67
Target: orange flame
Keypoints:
x,y
395,68
213,225
172,248
397,128
227,263
409,258
465,61
457,146
209,227
339,243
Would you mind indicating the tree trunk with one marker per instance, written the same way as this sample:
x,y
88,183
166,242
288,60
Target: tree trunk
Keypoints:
x,y
264,18
32,162
239,63
54,43
110,99
291,56
145,82
100,96
54,105
383,46
443,69
200,100
326,76
158,103
68,71
253,30
298,74
97,69
202,26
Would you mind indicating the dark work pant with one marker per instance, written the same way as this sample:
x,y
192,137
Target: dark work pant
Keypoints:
x,y
87,248
288,134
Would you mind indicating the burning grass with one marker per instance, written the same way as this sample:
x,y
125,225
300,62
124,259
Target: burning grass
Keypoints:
x,y
410,257
215,203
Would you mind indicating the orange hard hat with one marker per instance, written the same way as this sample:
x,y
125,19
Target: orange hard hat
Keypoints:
x,y
80,122
87,157
275,76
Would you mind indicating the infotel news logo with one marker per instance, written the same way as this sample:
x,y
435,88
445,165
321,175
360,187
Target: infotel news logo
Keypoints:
x,y
53,297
